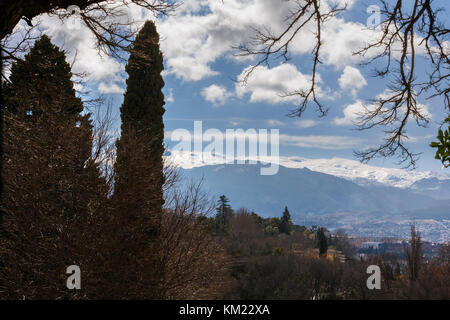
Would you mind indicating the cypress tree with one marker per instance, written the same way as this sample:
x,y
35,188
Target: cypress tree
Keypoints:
x,y
51,186
141,144
139,178
414,254
322,242
286,225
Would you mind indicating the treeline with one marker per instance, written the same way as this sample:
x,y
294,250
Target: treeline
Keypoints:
x,y
272,258
72,196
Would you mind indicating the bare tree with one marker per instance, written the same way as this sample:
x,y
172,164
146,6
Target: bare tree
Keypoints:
x,y
14,45
411,28
195,264
95,13
268,46
106,19
104,137
406,31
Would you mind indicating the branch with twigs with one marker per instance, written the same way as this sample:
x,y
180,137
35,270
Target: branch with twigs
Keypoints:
x,y
267,46
404,30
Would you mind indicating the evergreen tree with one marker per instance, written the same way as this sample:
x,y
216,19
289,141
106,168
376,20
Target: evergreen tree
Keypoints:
x,y
52,189
224,212
142,123
139,178
414,254
286,225
322,242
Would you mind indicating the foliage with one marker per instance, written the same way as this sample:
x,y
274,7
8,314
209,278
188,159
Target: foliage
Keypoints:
x,y
286,225
443,146
322,242
53,193
223,215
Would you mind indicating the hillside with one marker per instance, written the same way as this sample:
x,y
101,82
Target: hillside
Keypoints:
x,y
315,197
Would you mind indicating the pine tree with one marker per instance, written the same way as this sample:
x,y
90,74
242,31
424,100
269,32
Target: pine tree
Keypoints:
x,y
286,225
51,187
139,178
224,212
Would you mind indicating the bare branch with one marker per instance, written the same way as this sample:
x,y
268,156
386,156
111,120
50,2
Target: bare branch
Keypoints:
x,y
406,31
267,47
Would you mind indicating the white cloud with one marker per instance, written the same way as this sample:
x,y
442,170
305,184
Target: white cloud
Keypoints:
x,y
321,142
351,114
274,123
170,98
348,3
305,123
423,109
79,46
352,80
269,85
80,49
192,39
311,141
342,38
215,94
109,88
203,31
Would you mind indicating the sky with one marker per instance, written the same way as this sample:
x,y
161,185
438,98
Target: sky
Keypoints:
x,y
201,69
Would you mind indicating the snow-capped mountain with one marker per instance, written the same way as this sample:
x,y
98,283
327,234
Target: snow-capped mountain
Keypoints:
x,y
335,193
327,200
355,171
361,173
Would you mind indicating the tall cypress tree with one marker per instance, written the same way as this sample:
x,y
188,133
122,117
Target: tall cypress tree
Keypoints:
x,y
286,225
51,186
141,144
139,178
322,242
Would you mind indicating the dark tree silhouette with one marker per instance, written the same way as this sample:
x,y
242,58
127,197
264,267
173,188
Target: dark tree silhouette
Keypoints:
x,y
139,177
224,213
414,255
322,242
52,187
286,225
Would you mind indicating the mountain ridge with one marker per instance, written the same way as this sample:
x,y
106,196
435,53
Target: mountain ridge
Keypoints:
x,y
323,199
360,173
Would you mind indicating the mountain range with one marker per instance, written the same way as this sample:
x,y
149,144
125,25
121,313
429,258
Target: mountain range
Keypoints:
x,y
337,193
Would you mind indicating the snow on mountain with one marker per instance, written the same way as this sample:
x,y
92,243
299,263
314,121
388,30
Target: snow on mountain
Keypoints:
x,y
316,198
362,173
335,193
352,170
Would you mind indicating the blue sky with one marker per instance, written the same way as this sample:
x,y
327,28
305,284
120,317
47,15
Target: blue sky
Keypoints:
x,y
201,72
